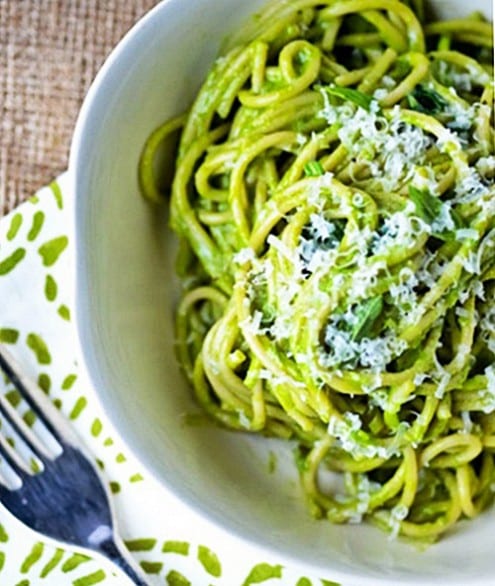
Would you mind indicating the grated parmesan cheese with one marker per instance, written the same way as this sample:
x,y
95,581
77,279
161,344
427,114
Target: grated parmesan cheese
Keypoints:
x,y
244,256
346,432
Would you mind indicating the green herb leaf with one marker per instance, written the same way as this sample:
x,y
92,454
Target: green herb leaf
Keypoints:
x,y
367,313
339,230
313,169
426,100
351,95
427,206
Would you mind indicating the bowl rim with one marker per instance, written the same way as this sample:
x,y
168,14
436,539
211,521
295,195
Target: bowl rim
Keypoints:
x,y
79,138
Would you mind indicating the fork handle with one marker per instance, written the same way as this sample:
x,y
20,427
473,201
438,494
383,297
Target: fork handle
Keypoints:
x,y
114,550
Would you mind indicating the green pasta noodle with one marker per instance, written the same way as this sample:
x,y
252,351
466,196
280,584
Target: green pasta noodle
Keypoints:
x,y
334,197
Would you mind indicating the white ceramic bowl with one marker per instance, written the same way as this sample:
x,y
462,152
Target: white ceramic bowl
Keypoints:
x,y
125,292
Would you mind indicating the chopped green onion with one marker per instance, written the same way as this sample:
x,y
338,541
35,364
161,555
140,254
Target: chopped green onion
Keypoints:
x,y
313,169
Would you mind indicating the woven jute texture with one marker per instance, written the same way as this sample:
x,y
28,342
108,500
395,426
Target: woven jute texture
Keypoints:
x,y
50,51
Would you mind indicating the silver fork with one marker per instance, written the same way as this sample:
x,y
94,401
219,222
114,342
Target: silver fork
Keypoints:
x,y
66,499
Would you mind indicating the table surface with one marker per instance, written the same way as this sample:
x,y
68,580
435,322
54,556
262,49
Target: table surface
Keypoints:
x,y
50,51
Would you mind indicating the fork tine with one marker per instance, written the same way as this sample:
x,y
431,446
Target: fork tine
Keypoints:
x,y
8,453
40,404
24,432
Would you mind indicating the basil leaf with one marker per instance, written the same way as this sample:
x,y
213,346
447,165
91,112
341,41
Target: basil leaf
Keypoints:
x,y
426,100
351,95
367,313
339,230
427,206
313,169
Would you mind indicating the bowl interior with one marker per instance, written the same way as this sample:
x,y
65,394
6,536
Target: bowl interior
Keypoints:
x,y
125,294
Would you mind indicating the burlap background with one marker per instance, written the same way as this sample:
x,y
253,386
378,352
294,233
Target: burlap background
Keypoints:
x,y
50,50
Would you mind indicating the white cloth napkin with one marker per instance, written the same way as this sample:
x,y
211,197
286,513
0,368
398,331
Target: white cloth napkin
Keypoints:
x,y
174,545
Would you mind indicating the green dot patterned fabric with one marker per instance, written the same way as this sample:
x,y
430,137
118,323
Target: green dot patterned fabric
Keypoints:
x,y
173,544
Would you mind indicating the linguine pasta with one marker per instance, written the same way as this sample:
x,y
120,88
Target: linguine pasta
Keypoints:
x,y
334,199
